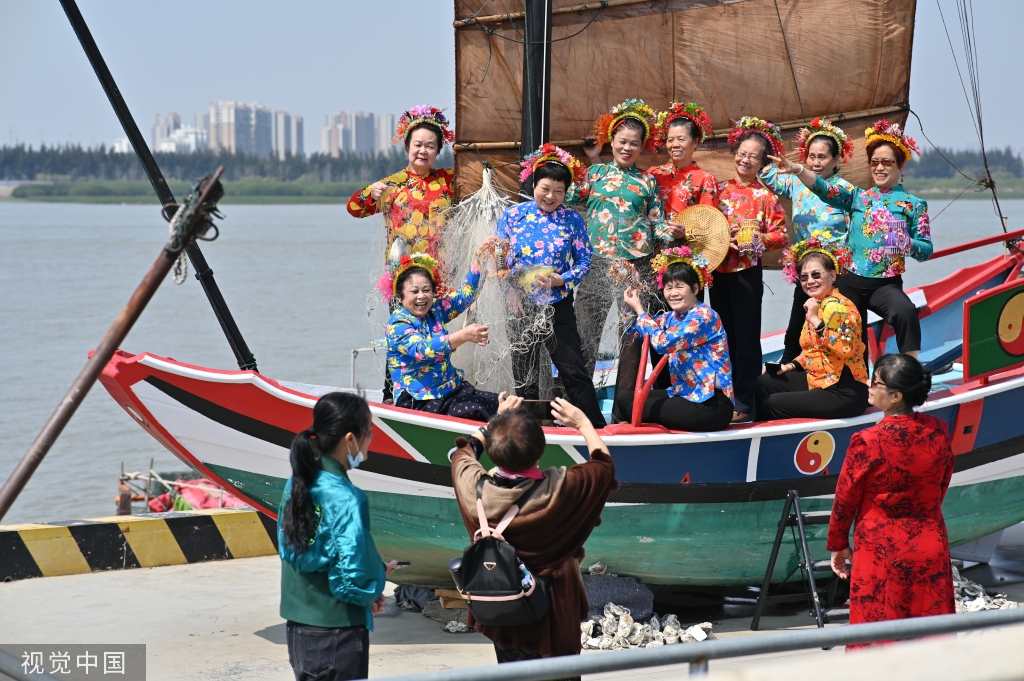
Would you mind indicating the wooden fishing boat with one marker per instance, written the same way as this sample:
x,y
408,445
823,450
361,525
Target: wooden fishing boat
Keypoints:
x,y
693,508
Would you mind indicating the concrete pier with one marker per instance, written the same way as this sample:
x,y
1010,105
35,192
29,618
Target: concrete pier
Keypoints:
x,y
219,620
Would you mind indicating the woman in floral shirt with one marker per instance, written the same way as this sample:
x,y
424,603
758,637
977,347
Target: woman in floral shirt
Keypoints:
x,y
416,198
545,236
887,224
419,346
625,222
828,379
821,147
758,225
700,395
682,183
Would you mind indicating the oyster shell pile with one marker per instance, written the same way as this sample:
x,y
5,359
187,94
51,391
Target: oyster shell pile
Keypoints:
x,y
972,597
617,630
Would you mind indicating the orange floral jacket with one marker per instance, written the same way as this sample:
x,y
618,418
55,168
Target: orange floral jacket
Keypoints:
x,y
834,344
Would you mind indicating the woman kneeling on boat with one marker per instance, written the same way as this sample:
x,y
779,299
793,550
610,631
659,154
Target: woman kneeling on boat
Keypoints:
x,y
419,346
700,397
887,224
332,578
894,479
828,379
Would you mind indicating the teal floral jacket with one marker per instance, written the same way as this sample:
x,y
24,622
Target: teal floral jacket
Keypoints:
x,y
877,253
809,212
623,210
419,353
699,351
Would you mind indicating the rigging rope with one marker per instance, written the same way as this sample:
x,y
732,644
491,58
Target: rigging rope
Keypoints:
x,y
789,58
965,13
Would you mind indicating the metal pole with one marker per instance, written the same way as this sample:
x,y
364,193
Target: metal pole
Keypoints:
x,y
808,563
204,274
536,80
106,349
762,598
611,661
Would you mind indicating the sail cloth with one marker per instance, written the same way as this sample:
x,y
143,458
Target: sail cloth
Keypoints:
x,y
785,60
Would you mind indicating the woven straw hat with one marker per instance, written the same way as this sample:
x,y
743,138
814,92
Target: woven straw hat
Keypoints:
x,y
707,232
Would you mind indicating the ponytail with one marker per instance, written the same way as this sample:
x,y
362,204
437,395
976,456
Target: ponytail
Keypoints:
x,y
334,416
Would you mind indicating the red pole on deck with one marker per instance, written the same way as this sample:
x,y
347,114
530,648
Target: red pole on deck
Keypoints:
x,y
977,244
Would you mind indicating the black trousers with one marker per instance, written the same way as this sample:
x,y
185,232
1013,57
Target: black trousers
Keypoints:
x,y
564,346
319,654
786,396
884,297
679,413
736,297
465,402
797,317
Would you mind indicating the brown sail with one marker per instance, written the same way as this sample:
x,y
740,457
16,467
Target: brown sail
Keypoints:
x,y
785,60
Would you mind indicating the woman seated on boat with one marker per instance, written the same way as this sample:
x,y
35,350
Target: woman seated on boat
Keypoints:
x,y
416,198
700,396
894,479
419,346
682,183
828,379
821,147
887,224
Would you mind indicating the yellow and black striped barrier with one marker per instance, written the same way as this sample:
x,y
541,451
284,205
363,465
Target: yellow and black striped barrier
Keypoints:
x,y
122,542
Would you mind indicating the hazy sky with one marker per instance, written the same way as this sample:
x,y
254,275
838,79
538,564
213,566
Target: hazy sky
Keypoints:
x,y
314,57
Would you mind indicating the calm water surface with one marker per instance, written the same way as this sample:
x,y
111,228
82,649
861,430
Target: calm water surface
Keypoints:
x,y
296,279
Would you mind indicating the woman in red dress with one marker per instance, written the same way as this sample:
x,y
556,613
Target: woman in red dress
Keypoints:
x,y
893,482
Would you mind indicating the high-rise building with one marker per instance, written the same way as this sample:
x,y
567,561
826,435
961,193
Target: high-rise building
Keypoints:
x,y
185,140
364,132
385,131
247,129
287,134
164,126
297,133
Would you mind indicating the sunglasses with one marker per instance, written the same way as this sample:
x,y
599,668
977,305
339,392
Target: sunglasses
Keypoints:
x,y
884,162
815,275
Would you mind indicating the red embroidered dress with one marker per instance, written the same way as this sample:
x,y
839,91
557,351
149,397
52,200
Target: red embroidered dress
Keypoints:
x,y
893,482
752,201
683,187
416,206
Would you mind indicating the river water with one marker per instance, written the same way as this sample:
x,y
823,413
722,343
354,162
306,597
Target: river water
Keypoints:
x,y
296,279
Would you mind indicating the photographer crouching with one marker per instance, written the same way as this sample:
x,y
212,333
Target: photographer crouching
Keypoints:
x,y
562,509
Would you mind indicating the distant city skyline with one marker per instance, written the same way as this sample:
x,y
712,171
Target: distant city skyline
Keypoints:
x,y
381,57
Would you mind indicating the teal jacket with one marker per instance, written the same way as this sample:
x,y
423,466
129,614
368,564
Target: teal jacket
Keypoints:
x,y
336,579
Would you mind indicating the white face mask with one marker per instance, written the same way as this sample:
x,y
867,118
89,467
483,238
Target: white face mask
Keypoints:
x,y
354,461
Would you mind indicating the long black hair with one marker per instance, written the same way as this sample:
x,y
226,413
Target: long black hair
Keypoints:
x,y
334,416
904,374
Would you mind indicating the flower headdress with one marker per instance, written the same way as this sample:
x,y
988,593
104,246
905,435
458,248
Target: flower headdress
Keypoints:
x,y
690,111
388,283
606,123
549,153
765,129
884,131
819,242
822,127
422,114
669,256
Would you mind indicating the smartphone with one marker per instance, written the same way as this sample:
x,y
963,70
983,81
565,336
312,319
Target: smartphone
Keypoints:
x,y
401,564
772,367
541,409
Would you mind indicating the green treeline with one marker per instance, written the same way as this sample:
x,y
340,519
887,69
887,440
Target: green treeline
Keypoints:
x,y
74,163
931,164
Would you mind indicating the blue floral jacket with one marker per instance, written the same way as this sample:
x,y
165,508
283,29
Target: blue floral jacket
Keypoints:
x,y
537,237
809,212
698,347
870,210
419,354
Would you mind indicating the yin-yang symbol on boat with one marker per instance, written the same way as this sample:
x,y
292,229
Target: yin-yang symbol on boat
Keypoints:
x,y
1011,326
814,452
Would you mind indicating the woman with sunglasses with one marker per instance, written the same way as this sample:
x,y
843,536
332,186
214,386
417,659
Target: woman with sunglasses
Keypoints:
x,y
828,379
890,489
886,225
